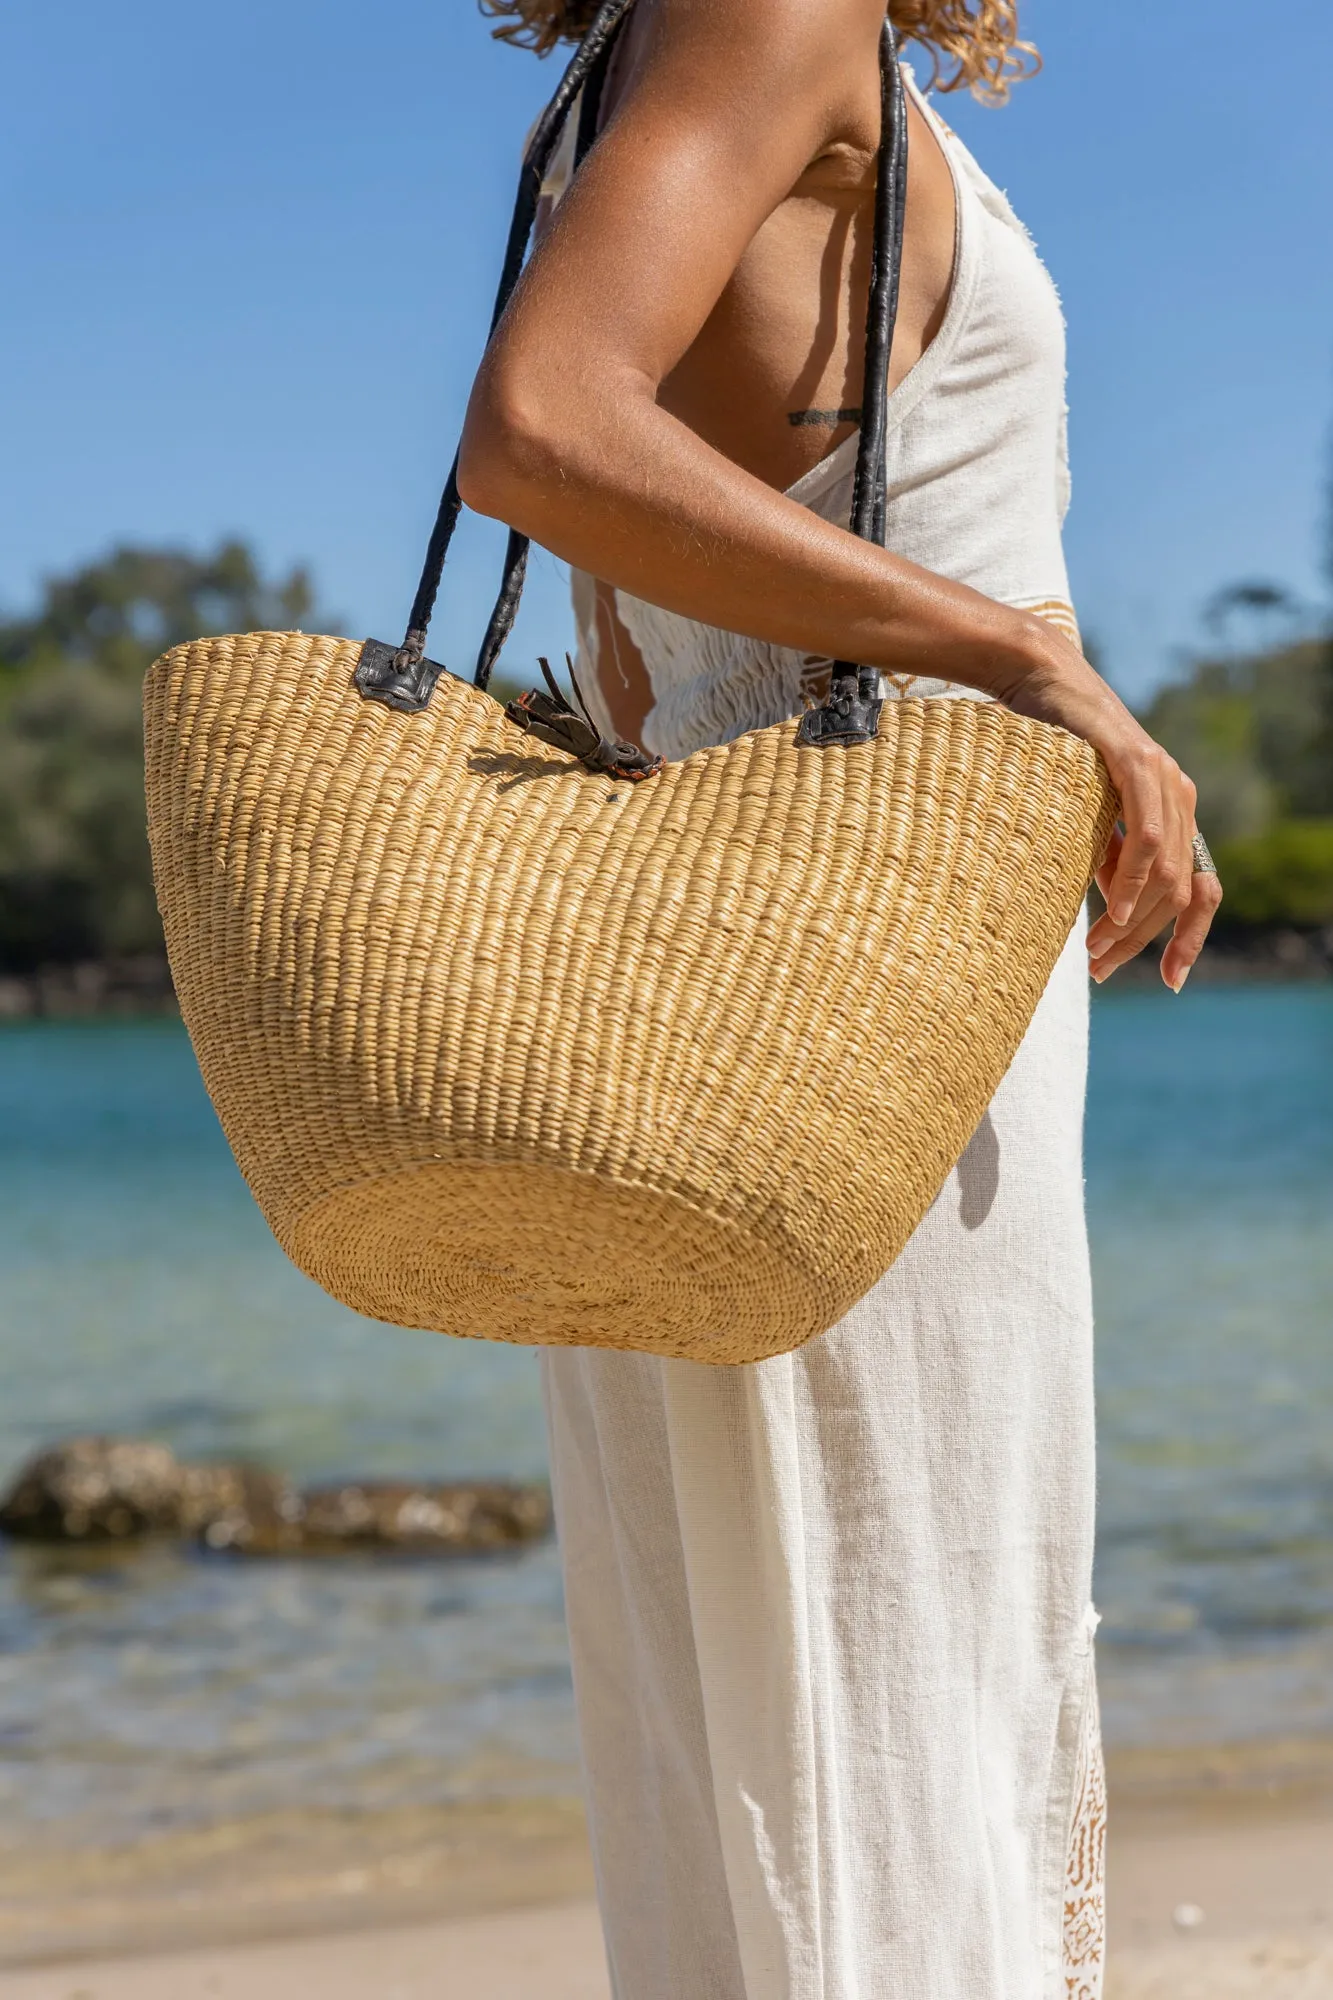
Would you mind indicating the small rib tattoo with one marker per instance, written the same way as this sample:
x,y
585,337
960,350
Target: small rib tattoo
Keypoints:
x,y
824,417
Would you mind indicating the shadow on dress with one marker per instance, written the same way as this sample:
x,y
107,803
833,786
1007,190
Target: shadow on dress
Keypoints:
x,y
979,1175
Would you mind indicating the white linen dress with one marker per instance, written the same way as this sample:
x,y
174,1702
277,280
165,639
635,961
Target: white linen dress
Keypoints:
x,y
829,1614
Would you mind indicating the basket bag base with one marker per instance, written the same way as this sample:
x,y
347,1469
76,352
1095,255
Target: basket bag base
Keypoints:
x,y
611,1266
510,1050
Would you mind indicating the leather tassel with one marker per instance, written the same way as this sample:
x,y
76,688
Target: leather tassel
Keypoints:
x,y
546,715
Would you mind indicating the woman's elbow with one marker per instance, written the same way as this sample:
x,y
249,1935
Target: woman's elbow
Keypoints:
x,y
508,452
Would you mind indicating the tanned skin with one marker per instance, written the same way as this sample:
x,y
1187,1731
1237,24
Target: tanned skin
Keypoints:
x,y
703,281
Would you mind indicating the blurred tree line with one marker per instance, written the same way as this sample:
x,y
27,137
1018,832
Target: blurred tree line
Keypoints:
x,y
1251,720
1252,723
75,877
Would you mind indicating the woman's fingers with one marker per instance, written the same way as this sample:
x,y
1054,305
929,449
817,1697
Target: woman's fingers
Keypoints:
x,y
1106,873
1192,927
1144,818
1116,947
1111,945
1157,810
1134,871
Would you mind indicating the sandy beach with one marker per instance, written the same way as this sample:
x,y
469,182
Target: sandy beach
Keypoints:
x,y
555,1954
1266,1896
1221,1885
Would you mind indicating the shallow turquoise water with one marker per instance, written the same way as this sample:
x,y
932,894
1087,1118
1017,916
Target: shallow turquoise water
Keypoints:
x,y
140,1292
1210,1185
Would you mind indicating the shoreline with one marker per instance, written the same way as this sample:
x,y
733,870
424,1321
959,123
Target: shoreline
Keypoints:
x,y
1245,1832
140,988
290,1874
1263,958
1202,1906
132,988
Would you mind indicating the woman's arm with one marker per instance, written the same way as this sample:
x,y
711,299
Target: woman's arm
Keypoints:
x,y
565,439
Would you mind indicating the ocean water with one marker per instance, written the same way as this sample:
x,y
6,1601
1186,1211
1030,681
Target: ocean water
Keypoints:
x,y
1210,1202
140,1293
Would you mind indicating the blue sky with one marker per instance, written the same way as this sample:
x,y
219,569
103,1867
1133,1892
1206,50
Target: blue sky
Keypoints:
x,y
248,254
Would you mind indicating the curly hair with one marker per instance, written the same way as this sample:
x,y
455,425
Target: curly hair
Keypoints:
x,y
978,38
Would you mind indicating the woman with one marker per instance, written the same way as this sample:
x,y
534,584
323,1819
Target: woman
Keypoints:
x,y
830,1614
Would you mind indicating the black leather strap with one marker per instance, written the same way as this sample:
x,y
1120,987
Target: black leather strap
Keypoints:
x,y
407,662
408,668
516,550
850,714
868,491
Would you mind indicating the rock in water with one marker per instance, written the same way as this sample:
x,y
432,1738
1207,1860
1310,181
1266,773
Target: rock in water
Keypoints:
x,y
97,1489
465,1518
368,1517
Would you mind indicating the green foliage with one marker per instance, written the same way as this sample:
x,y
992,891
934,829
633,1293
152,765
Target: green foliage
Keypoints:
x,y
1255,736
74,873
75,878
1283,876
121,613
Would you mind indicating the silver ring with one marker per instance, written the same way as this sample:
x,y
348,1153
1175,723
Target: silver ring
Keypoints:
x,y
1204,863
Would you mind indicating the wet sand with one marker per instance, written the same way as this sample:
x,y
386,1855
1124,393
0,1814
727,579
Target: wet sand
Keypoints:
x,y
544,1954
299,1874
1265,1893
495,1899
1260,1892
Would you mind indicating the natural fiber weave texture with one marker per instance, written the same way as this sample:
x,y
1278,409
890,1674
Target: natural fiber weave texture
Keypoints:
x,y
511,1051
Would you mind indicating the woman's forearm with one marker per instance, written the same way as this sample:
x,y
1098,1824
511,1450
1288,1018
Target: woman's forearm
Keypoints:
x,y
566,438
641,501
629,493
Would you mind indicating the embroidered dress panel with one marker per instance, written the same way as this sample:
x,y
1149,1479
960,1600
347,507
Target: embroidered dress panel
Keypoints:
x,y
829,1614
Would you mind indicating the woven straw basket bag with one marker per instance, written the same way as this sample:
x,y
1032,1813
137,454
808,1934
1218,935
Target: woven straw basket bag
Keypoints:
x,y
510,1047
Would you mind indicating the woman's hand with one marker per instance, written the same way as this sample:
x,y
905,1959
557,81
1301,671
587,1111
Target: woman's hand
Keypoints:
x,y
1148,878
